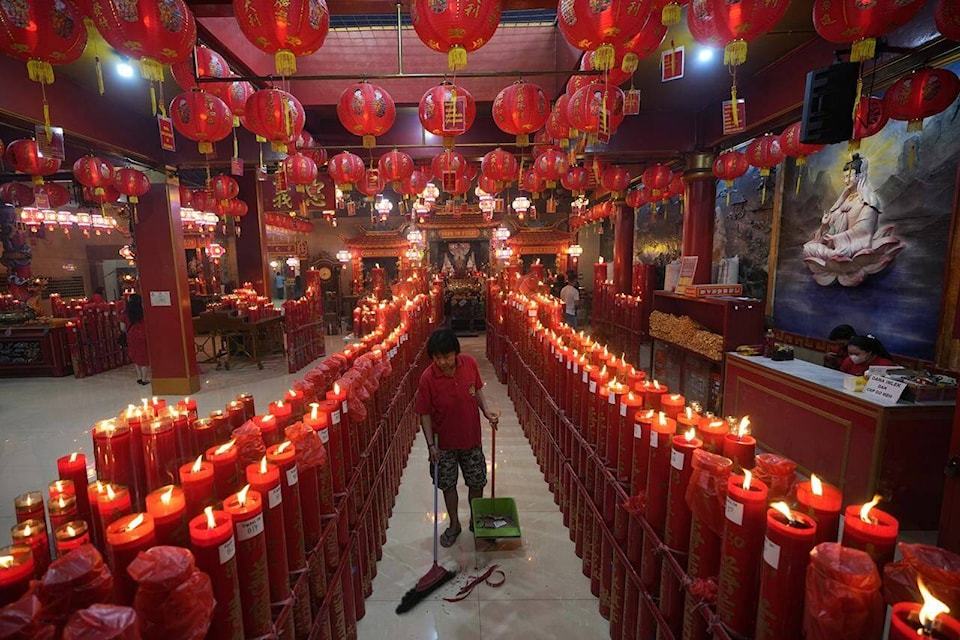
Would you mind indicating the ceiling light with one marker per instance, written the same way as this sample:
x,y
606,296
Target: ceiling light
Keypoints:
x,y
705,54
124,69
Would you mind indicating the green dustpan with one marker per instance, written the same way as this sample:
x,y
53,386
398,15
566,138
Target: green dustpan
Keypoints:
x,y
494,510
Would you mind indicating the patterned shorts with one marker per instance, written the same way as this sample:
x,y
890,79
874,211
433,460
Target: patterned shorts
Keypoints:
x,y
471,461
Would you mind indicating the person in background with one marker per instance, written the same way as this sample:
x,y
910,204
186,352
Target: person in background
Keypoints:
x,y
278,283
99,296
448,396
558,285
864,352
839,335
570,295
132,322
297,287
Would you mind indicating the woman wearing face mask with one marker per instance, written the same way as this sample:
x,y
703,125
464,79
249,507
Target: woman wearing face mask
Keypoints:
x,y
864,352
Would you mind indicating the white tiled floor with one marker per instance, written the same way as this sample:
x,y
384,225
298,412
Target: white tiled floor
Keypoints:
x,y
545,594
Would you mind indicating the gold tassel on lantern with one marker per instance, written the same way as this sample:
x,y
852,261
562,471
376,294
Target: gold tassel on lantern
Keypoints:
x,y
46,113
457,58
260,138
863,49
40,71
151,69
630,62
205,147
729,184
604,57
285,62
801,161
853,145
671,14
915,125
764,173
523,140
278,146
733,103
369,142
735,53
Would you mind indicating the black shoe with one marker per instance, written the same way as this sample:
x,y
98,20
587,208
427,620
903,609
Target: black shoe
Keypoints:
x,y
139,381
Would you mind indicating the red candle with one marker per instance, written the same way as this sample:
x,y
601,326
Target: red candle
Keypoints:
x,y
61,488
740,447
127,537
204,435
350,443
911,620
29,506
672,404
113,504
687,419
168,508
596,387
157,404
197,481
615,417
641,450
741,553
653,392
113,453
63,509
70,536
338,449
249,407
182,434
235,414
630,406
871,530
226,470
33,533
822,502
268,428
220,422
134,416
94,490
283,455
16,571
786,553
190,405
294,399
74,468
713,432
215,549
264,478
159,447
246,511
598,434
282,411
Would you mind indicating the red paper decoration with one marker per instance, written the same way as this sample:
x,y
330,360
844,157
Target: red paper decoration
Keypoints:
x,y
657,177
861,23
730,165
596,108
871,118
346,169
733,24
521,109
947,19
209,64
286,29
366,110
550,166
93,172
500,166
300,170
224,187
455,28
274,115
17,194
791,146
448,162
395,166
598,26
764,153
558,124
615,180
201,117
447,110
923,93
24,156
576,180
132,183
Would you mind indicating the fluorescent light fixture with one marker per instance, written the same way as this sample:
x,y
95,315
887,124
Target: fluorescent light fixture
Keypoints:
x,y
124,69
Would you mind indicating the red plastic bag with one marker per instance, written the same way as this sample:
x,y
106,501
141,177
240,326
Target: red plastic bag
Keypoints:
x,y
707,491
103,622
75,581
779,474
939,568
249,443
842,595
174,598
20,620
308,447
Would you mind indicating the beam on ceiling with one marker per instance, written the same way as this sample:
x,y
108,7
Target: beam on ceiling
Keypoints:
x,y
402,76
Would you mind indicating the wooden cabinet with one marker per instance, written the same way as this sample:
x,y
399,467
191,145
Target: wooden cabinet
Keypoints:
x,y
34,350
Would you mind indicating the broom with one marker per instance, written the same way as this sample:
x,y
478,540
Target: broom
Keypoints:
x,y
437,576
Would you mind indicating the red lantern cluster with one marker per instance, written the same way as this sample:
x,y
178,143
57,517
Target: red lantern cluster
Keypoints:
x,y
924,93
24,156
455,28
276,116
447,110
288,223
201,117
861,23
657,177
17,194
366,110
224,187
395,166
203,63
287,30
598,26
346,169
132,183
733,24
57,195
450,163
521,109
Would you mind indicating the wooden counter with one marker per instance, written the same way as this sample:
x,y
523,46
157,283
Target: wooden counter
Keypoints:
x,y
34,350
800,410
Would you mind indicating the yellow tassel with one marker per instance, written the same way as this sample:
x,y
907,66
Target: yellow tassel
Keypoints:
x,y
604,57
40,71
564,143
236,121
457,58
205,147
735,53
853,145
46,113
37,180
285,62
915,125
99,76
236,149
671,14
278,146
523,140
346,187
912,158
799,177
763,193
735,110
369,142
863,49
151,69
261,139
630,62
133,199
448,142
729,184
153,99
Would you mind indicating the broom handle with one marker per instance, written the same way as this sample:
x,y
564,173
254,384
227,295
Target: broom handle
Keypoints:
x,y
436,491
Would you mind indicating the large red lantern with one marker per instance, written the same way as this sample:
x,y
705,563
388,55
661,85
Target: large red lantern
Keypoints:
x,y
237,208
598,26
596,108
521,109
57,195
489,185
286,29
558,124
24,156
871,117
447,163
861,23
224,187
730,165
764,153
615,75
371,184
947,19
235,95
457,186
201,117
413,184
17,194
657,177
635,198
300,170
550,166
921,94
203,63
575,83
395,166
500,166
615,180
640,46
677,186
107,195
275,116
791,146
576,180
447,110
455,28
93,172
346,169
366,110
732,25
132,183
530,181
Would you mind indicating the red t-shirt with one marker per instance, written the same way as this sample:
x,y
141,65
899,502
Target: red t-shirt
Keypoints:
x,y
451,403
851,368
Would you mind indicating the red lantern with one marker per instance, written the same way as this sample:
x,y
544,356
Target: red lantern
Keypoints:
x,y
201,117
17,194
395,166
304,140
530,181
575,83
947,18
576,180
500,166
237,208
871,118
372,184
635,199
861,23
274,115
209,64
657,177
286,29
447,110
57,195
24,156
489,185
615,180
234,95
300,170
733,24
204,200
108,194
677,186
596,108
615,75
729,166
598,26
346,169
923,93
186,197
558,124
449,162
791,146
550,166
93,172
366,110
640,46
458,186
455,28
764,153
521,109
132,183
224,187
413,184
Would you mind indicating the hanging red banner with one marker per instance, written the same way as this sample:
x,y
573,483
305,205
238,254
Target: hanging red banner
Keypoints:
x,y
729,125
167,140
671,64
631,102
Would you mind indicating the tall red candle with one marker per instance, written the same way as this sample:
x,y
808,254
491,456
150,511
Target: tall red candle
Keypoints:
x,y
226,468
135,417
872,530
294,399
61,488
641,450
653,392
190,406
338,449
29,506
235,413
127,537
264,478
786,553
113,453
249,406
616,413
740,447
16,571
63,509
70,536
182,435
197,481
113,504
713,432
282,411
94,490
741,553
630,407
159,450
822,502
215,550
268,428
283,455
204,435
33,533
74,468
168,508
246,510
911,620
349,440
672,404
221,425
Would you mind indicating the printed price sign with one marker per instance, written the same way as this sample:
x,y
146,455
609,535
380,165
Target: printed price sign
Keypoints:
x,y
729,126
884,390
688,268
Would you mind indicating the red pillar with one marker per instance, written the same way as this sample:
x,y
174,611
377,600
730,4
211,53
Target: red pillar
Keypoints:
x,y
162,263
623,249
700,199
252,243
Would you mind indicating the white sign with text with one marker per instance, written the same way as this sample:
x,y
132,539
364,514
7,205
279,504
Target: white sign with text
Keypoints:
x,y
885,390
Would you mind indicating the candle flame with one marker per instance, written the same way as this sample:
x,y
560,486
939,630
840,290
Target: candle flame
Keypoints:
x,y
156,400
283,446
100,487
6,561
211,521
197,464
110,493
292,392
931,606
656,384
71,531
263,464
747,477
167,495
649,414
27,530
603,371
186,400
689,412
377,265
675,397
133,524
601,260
145,402
224,447
279,403
716,424
336,388
744,427
314,407
690,434
630,395
242,495
138,413
865,509
785,510
663,419
61,501
268,418
73,456
815,485
130,409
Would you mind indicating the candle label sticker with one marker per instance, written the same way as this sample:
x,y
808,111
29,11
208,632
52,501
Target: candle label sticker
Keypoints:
x,y
552,348
569,365
593,386
324,436
344,407
612,398
623,410
585,375
227,550
275,497
637,430
734,511
771,553
292,476
576,367
654,439
250,528
676,459
335,417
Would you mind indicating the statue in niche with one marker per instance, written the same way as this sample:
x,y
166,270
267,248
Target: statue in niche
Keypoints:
x,y
850,243
458,260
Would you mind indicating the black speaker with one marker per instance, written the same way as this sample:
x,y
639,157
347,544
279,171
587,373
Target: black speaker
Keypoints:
x,y
828,104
